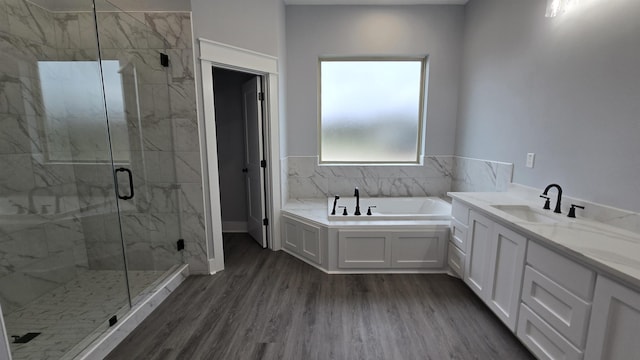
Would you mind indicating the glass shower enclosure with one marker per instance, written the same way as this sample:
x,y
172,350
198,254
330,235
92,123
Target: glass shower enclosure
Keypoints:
x,y
89,218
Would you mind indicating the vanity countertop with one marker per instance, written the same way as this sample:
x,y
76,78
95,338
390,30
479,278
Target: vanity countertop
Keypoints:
x,y
608,249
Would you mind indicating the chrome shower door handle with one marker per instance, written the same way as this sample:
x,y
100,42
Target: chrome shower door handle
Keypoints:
x,y
125,197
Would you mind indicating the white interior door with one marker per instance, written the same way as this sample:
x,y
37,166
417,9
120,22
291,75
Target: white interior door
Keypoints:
x,y
254,174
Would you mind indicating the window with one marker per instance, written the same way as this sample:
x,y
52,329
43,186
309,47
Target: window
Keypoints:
x,y
371,110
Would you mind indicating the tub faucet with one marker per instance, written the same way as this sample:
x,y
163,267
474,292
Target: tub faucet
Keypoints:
x,y
335,202
357,195
558,199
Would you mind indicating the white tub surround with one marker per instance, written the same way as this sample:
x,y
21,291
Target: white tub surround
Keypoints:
x,y
360,245
569,288
392,208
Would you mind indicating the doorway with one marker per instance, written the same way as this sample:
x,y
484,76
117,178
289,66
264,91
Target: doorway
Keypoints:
x,y
239,109
215,54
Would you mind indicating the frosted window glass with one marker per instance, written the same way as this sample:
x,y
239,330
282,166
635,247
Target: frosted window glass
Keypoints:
x,y
75,123
370,111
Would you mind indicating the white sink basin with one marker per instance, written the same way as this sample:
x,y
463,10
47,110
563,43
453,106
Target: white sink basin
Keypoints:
x,y
526,213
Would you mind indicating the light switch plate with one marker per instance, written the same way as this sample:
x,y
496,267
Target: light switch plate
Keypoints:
x,y
530,159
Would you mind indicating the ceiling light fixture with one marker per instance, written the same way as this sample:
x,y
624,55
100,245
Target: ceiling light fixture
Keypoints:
x,y
557,7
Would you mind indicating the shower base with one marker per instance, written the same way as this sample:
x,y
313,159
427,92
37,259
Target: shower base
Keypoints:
x,y
71,316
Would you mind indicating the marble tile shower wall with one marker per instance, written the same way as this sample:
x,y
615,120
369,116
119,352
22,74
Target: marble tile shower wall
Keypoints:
x,y
435,177
36,254
39,252
163,147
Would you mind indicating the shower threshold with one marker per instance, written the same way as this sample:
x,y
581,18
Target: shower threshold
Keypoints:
x,y
75,314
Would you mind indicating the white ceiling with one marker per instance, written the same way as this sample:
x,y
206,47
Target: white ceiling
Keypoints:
x,y
375,2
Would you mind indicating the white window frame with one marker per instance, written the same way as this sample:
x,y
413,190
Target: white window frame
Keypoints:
x,y
421,117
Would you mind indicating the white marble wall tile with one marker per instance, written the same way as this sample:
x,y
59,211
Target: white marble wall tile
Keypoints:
x,y
16,175
307,179
191,200
30,22
63,234
121,31
160,166
185,132
4,17
21,249
181,64
14,134
174,27
188,167
504,176
11,101
284,180
480,175
156,134
67,30
300,188
181,98
195,247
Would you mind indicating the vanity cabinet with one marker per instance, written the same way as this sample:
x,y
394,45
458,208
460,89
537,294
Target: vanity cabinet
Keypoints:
x,y
506,264
302,239
494,266
476,266
458,238
556,304
615,323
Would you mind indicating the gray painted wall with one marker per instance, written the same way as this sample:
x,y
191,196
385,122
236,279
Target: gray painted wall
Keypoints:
x,y
249,24
314,31
227,85
565,88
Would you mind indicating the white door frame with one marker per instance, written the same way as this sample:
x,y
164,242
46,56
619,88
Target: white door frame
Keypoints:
x,y
230,57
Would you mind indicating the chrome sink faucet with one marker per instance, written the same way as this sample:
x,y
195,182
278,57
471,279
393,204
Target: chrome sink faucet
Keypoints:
x,y
558,199
357,195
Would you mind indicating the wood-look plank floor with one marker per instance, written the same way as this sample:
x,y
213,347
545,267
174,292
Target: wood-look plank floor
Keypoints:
x,y
270,305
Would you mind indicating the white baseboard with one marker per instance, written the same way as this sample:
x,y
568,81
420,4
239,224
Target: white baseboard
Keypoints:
x,y
234,226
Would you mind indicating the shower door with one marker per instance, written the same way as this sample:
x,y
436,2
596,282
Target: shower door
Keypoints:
x,y
141,122
62,270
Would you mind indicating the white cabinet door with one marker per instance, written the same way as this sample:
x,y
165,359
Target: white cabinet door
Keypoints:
x,y
291,240
506,264
615,322
476,267
418,249
310,242
364,249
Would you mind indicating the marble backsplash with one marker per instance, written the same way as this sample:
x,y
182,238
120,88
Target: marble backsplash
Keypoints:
x,y
434,177
480,175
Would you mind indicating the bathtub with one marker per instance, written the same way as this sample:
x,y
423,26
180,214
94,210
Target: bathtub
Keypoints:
x,y
391,208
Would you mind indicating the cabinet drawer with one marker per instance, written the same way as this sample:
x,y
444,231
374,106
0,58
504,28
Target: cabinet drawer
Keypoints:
x,y
564,311
459,235
456,260
460,212
566,273
543,341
